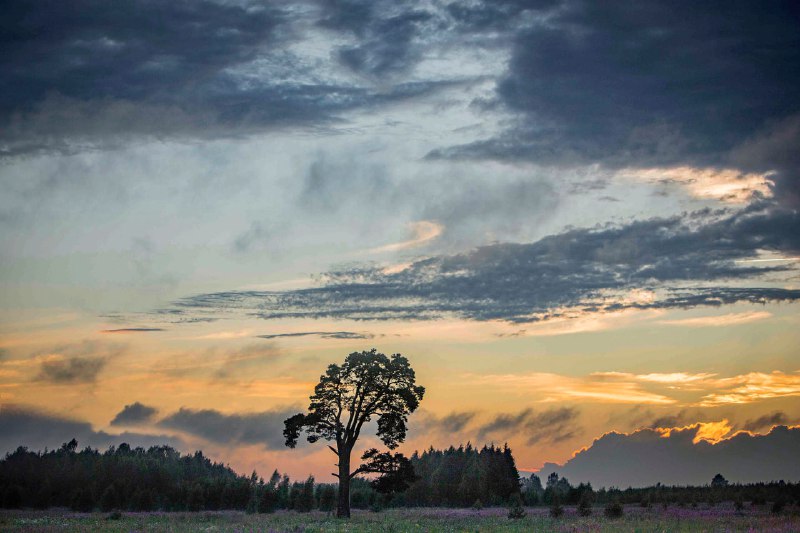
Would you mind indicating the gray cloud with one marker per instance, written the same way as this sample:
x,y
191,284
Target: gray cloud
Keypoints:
x,y
136,69
132,330
766,421
264,428
450,423
655,83
135,413
72,370
463,202
645,458
25,426
78,362
389,39
323,334
553,425
688,260
504,423
246,359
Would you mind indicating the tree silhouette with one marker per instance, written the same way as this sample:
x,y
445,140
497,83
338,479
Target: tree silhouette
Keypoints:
x,y
367,385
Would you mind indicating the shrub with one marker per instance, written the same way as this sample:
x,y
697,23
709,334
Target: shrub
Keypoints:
x,y
585,504
613,510
116,515
478,505
777,506
516,511
738,504
327,498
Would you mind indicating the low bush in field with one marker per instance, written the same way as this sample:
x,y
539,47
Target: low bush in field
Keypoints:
x,y
613,510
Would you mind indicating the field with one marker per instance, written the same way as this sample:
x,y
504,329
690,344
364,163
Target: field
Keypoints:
x,y
719,518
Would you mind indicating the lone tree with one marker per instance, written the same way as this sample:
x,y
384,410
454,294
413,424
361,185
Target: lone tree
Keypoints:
x,y
367,385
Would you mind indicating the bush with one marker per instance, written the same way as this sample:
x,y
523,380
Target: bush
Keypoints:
x,y
116,515
613,510
777,506
556,510
738,504
478,505
516,511
585,504
327,498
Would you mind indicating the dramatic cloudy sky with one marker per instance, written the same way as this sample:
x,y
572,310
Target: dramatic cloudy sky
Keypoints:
x,y
578,220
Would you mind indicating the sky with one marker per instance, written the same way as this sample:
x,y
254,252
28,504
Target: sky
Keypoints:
x,y
578,220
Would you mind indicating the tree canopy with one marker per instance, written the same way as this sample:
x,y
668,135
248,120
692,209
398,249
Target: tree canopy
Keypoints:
x,y
368,385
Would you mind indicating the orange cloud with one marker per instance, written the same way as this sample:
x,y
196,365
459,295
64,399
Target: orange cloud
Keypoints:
x,y
727,185
556,387
753,387
423,232
712,432
720,320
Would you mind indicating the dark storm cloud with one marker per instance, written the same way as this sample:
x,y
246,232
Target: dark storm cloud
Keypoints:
x,y
766,421
323,334
687,259
135,413
88,73
645,457
78,362
553,425
25,426
264,428
493,16
600,77
649,84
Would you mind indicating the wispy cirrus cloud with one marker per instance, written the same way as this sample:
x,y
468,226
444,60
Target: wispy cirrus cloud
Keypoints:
x,y
347,335
131,330
423,231
701,389
753,387
729,319
555,387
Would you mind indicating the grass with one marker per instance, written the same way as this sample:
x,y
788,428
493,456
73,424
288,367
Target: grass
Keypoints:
x,y
718,518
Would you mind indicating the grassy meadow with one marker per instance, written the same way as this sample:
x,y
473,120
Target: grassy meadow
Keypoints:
x,y
722,517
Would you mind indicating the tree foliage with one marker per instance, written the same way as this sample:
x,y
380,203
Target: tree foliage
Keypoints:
x,y
367,386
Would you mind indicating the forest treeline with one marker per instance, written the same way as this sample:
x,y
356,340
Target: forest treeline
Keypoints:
x,y
161,478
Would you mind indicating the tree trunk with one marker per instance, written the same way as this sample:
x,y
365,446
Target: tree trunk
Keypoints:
x,y
343,507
